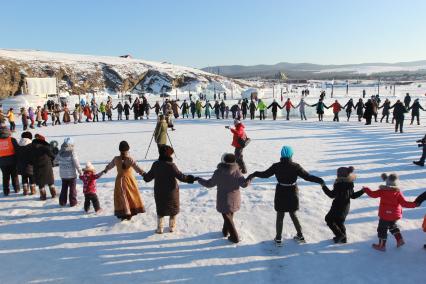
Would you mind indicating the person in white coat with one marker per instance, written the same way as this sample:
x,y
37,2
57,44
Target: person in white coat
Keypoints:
x,y
302,104
69,166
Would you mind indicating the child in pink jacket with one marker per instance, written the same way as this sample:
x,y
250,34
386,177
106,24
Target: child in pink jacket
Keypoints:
x,y
390,210
89,187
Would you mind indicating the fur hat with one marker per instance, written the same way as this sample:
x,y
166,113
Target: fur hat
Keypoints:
x,y
40,137
124,146
69,141
287,152
228,158
345,171
89,167
27,135
391,179
166,151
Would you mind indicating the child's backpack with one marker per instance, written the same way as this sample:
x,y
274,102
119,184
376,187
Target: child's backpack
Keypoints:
x,y
424,224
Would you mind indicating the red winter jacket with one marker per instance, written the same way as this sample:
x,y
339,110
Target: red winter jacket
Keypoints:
x,y
238,133
288,105
336,107
44,115
89,182
391,202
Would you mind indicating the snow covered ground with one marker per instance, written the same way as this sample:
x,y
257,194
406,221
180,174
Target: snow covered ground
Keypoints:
x,y
43,243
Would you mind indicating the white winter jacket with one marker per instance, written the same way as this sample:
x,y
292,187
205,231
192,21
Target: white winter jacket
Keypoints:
x,y
68,162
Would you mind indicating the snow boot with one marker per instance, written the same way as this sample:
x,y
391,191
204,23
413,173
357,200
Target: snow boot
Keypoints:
x,y
52,191
399,240
424,246
6,191
33,189
172,224
340,239
299,238
419,163
381,246
278,242
43,194
225,232
160,224
25,189
233,240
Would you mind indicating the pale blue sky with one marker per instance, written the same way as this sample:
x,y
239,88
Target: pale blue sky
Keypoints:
x,y
219,32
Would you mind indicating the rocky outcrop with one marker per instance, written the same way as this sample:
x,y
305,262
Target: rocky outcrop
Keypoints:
x,y
81,74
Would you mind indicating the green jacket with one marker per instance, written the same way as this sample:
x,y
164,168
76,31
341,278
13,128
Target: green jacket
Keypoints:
x,y
160,133
261,106
102,107
198,106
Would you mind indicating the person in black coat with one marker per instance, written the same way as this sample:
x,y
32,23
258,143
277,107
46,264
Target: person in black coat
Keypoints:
x,y
222,109
415,111
349,106
342,193
407,100
398,113
24,166
287,192
126,110
253,109
385,113
193,108
185,109
217,109
136,108
275,106
359,109
369,112
244,108
42,160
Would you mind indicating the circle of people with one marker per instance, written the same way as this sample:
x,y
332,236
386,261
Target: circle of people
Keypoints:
x,y
241,110
33,160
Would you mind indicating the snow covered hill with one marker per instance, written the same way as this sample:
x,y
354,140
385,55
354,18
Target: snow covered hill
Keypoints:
x,y
80,74
43,243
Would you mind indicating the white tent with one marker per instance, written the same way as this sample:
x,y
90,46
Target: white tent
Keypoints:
x,y
41,86
252,93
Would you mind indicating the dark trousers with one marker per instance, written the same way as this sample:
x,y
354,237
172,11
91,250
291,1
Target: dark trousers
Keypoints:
x,y
68,184
399,124
262,115
252,115
103,116
280,220
375,117
240,159
384,226
303,115
91,197
229,226
423,158
120,116
320,116
27,179
385,116
12,125
274,115
368,120
244,114
96,117
336,116
288,114
336,225
222,112
348,115
414,116
360,117
10,174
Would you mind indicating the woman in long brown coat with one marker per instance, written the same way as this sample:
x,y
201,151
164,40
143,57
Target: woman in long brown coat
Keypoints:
x,y
127,200
166,189
228,179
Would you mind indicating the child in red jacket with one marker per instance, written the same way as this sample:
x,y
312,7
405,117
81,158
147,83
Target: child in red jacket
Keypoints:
x,y
89,187
390,210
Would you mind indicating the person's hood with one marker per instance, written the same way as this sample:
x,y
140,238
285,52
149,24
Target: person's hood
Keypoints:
x,y
24,142
66,150
349,178
228,167
37,142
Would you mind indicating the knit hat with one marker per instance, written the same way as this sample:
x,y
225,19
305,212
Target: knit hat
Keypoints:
x,y
166,151
124,146
40,137
69,141
27,135
89,167
228,158
391,180
287,152
344,171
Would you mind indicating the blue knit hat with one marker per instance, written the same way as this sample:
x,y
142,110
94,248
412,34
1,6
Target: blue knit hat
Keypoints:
x,y
286,152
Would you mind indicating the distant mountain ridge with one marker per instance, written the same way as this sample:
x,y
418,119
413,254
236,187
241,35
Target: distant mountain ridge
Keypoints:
x,y
318,71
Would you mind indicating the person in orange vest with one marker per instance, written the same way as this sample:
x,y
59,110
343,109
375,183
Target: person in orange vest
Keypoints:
x,y
11,117
337,107
288,105
8,146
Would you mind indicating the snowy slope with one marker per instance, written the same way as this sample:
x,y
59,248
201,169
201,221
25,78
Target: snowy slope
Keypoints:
x,y
42,243
86,73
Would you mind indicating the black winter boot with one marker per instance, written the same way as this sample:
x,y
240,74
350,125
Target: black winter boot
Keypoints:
x,y
419,163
